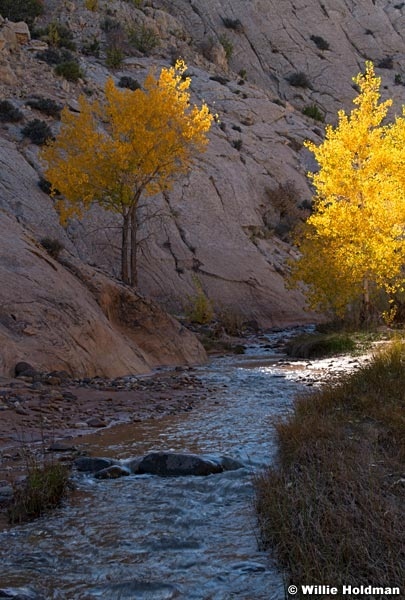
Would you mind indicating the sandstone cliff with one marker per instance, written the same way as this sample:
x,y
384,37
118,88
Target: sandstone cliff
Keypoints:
x,y
226,222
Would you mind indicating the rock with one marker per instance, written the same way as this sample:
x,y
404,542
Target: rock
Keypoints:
x,y
96,422
6,491
133,464
22,367
113,472
61,447
230,464
92,465
22,593
168,464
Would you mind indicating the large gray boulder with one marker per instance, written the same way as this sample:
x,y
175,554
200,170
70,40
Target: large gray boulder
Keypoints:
x,y
171,464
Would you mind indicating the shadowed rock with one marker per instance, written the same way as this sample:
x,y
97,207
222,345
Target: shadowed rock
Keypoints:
x,y
167,464
93,465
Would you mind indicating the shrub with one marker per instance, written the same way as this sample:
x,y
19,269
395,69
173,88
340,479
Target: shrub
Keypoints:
x,y
237,144
38,132
46,105
110,24
320,42
43,489
53,246
143,38
299,79
398,79
243,74
45,185
285,199
57,35
9,113
227,46
114,57
70,70
200,308
91,47
129,83
234,24
386,63
21,10
231,322
91,5
313,111
317,345
54,56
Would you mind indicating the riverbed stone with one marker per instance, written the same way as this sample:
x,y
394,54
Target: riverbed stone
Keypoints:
x,y
113,472
92,465
171,464
22,593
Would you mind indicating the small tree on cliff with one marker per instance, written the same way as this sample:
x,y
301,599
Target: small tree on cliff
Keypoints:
x,y
353,245
134,143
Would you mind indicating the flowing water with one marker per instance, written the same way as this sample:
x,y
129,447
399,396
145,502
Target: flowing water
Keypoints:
x,y
146,537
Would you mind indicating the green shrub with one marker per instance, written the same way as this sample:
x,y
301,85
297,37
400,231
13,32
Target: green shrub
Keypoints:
x,y
320,42
70,70
317,345
313,111
114,57
237,144
21,10
38,132
129,83
56,35
143,38
200,308
299,79
54,56
46,105
9,113
227,46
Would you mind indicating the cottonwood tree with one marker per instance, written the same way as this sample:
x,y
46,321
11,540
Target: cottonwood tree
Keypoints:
x,y
134,143
352,247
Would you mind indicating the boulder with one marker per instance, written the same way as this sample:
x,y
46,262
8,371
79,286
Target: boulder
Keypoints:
x,y
168,464
93,465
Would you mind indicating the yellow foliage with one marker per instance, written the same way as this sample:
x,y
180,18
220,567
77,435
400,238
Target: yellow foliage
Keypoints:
x,y
354,242
132,143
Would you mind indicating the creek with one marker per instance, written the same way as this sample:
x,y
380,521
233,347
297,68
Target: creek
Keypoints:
x,y
152,538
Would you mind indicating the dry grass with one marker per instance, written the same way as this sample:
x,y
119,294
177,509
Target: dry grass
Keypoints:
x,y
333,508
44,488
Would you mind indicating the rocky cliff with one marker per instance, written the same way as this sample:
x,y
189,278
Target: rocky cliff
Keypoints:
x,y
260,65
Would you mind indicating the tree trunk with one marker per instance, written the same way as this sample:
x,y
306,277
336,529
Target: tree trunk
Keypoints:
x,y
133,253
125,249
366,308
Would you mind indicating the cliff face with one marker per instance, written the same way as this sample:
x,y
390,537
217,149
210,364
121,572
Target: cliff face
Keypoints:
x,y
258,64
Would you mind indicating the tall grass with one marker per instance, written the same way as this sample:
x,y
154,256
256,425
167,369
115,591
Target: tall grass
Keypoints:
x,y
333,506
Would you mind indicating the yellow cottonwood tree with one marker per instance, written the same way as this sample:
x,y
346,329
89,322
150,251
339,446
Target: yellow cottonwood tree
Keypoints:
x,y
134,143
353,244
